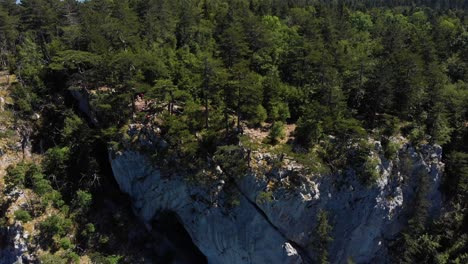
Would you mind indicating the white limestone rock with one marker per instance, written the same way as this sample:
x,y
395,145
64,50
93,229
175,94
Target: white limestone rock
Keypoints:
x,y
364,218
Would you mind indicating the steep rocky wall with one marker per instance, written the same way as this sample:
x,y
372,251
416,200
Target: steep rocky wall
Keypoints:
x,y
280,229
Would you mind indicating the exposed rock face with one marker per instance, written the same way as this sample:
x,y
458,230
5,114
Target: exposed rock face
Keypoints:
x,y
2,104
82,97
14,247
280,229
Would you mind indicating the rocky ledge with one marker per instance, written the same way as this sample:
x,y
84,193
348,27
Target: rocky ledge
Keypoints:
x,y
274,223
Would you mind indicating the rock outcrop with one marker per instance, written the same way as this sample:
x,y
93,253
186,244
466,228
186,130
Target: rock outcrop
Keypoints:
x,y
274,223
14,245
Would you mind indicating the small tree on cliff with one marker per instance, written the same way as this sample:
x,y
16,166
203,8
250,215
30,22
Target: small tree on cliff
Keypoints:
x,y
322,237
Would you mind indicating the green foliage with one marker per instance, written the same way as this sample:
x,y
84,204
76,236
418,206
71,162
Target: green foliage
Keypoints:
x,y
322,237
416,135
55,225
65,243
340,71
370,170
60,258
276,132
232,160
26,100
49,258
15,175
99,258
56,163
74,60
256,115
31,63
390,149
279,111
22,215
71,125
88,230
416,246
456,181
265,197
82,201
309,128
7,134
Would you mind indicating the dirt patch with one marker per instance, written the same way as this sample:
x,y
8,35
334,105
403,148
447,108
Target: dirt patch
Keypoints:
x,y
259,135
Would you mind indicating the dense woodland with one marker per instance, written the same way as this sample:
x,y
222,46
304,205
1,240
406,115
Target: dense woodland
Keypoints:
x,y
342,71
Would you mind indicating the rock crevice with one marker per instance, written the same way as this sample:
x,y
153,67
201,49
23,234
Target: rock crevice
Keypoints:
x,y
280,230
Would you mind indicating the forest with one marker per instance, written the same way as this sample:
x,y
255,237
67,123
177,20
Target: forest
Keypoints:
x,y
335,73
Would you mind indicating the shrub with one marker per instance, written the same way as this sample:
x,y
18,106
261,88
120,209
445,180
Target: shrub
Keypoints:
x,y
65,243
257,115
102,259
71,125
391,125
22,215
370,174
276,133
322,237
16,175
82,201
60,258
103,240
55,225
72,257
53,196
56,159
52,259
279,112
41,186
391,149
416,135
265,197
309,129
88,230
232,160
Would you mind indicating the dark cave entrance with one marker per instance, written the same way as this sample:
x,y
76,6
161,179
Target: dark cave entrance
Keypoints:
x,y
177,246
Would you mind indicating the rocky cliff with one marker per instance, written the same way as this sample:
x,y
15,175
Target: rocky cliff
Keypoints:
x,y
275,213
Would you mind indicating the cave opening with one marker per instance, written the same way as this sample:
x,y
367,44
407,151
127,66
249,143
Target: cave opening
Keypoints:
x,y
178,245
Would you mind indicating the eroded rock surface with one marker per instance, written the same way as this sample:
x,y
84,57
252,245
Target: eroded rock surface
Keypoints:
x,y
280,229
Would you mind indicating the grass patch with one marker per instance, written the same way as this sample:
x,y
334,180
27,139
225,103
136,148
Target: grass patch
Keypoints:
x,y
310,159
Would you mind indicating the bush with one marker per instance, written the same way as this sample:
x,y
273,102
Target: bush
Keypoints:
x,y
16,175
22,215
276,133
279,112
65,243
257,115
309,128
60,258
55,225
390,149
322,237
72,124
41,186
370,174
56,159
416,135
53,196
232,160
88,230
391,125
265,197
82,201
72,257
52,259
102,259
